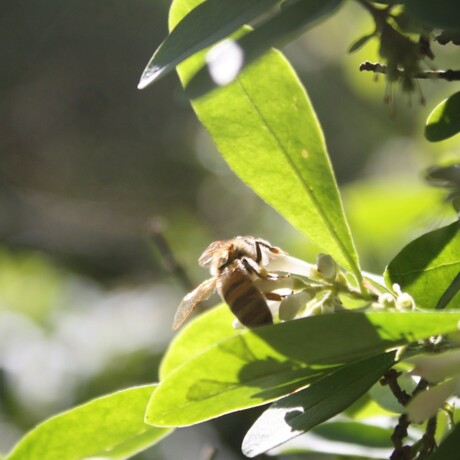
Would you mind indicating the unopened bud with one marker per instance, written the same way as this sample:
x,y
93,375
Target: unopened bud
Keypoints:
x,y
386,301
293,304
326,266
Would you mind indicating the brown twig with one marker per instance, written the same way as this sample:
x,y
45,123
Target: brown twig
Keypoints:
x,y
448,75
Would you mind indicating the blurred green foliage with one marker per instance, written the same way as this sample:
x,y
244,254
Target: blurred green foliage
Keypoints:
x,y
87,161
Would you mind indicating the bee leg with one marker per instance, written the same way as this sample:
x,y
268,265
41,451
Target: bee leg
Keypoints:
x,y
258,251
252,266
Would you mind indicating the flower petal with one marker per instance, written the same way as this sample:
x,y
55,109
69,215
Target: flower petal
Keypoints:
x,y
436,367
426,403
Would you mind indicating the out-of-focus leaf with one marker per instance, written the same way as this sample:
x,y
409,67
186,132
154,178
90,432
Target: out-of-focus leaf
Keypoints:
x,y
343,439
373,207
199,334
300,412
263,364
204,25
110,427
426,267
358,433
448,449
267,131
290,22
444,121
442,14
360,42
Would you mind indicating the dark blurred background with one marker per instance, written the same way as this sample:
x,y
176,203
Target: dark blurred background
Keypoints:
x,y
88,162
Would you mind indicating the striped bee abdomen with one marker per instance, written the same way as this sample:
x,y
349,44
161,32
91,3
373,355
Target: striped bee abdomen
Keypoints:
x,y
245,300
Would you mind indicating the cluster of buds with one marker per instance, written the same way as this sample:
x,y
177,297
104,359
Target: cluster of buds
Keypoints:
x,y
295,288
399,301
304,289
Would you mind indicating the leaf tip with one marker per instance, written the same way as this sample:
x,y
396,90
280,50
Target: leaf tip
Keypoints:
x,y
149,75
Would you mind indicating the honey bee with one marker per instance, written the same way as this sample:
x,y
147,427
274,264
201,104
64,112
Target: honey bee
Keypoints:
x,y
234,265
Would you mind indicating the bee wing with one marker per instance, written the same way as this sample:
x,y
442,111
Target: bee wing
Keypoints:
x,y
205,259
192,299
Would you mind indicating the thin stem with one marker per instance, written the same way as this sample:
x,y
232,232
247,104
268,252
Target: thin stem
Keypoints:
x,y
448,75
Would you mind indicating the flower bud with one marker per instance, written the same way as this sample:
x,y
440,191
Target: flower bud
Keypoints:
x,y
327,266
293,304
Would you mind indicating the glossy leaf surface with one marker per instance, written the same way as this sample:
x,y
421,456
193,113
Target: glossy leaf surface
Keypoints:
x,y
263,364
110,427
300,412
444,121
206,24
426,267
276,146
291,20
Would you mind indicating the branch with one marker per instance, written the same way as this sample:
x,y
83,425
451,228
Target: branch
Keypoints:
x,y
448,75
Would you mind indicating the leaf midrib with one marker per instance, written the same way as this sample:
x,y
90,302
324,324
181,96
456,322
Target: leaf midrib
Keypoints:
x,y
305,186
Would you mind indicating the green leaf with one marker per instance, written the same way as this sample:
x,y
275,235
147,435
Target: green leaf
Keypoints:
x,y
448,449
344,439
266,130
203,26
291,21
368,436
111,426
300,412
444,121
358,44
442,14
260,365
200,333
426,267
449,293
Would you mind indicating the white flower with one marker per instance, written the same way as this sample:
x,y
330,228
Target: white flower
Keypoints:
x,y
404,301
293,304
327,266
442,369
286,263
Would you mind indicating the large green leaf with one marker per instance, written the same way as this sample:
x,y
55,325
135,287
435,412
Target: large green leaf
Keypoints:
x,y
444,121
199,334
442,14
263,364
300,412
426,267
343,439
206,24
110,427
290,21
448,449
265,128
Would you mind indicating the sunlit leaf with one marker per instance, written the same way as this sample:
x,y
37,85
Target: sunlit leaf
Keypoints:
x,y
199,334
444,121
263,364
203,26
267,131
300,412
111,427
291,20
426,267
